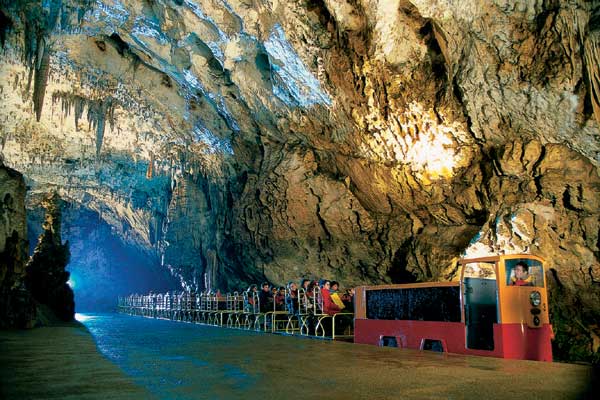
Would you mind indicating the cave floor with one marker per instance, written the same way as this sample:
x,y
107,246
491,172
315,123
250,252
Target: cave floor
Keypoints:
x,y
60,362
171,360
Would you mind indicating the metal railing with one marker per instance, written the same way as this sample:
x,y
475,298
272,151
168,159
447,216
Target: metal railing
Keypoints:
x,y
300,313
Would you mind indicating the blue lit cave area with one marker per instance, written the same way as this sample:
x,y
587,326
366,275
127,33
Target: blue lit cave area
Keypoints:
x,y
102,266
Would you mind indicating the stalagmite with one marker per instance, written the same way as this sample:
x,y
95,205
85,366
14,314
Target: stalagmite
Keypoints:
x,y
46,271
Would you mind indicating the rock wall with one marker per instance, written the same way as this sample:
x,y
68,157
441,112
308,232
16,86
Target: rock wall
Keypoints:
x,y
16,305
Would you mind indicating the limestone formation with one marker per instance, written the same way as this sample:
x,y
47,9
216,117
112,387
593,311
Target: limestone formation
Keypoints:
x,y
16,304
46,276
366,141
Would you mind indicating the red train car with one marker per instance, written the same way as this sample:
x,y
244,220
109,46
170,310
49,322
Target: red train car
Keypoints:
x,y
499,308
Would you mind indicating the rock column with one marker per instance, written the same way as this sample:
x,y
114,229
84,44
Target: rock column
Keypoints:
x,y
46,274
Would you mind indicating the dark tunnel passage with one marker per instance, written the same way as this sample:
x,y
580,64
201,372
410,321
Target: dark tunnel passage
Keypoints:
x,y
102,266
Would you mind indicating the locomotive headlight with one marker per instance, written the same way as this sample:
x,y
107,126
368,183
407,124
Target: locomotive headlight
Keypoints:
x,y
535,298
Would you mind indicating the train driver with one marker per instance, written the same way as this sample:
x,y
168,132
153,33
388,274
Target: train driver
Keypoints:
x,y
521,275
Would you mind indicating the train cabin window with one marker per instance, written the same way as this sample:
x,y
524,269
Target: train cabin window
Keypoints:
x,y
524,272
481,270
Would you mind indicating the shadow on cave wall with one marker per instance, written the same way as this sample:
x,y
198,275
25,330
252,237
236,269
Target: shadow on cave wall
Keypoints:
x,y
398,271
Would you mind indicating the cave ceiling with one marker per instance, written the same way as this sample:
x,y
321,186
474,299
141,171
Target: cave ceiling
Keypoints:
x,y
363,140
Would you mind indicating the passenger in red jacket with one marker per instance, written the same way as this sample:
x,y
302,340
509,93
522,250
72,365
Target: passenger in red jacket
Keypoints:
x,y
329,307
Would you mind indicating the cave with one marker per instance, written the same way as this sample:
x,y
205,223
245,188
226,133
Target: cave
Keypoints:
x,y
194,146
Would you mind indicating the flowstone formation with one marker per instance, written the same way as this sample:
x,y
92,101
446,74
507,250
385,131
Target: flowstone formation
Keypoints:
x,y
367,141
46,276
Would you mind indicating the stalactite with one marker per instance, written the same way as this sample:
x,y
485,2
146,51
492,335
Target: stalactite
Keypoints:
x,y
33,34
39,20
29,79
110,114
97,112
150,170
79,106
592,62
104,109
55,10
42,69
6,26
30,41
101,118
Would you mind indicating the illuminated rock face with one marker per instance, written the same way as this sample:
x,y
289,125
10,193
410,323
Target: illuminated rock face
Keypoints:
x,y
369,141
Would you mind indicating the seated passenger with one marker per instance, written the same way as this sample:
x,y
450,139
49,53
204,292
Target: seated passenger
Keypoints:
x,y
265,298
310,290
305,301
279,299
348,299
291,299
334,287
521,275
329,307
249,298
335,295
304,283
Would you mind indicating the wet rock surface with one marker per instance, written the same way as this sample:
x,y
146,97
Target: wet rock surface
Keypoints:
x,y
369,141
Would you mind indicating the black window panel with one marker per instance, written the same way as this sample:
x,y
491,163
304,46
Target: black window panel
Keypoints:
x,y
420,304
